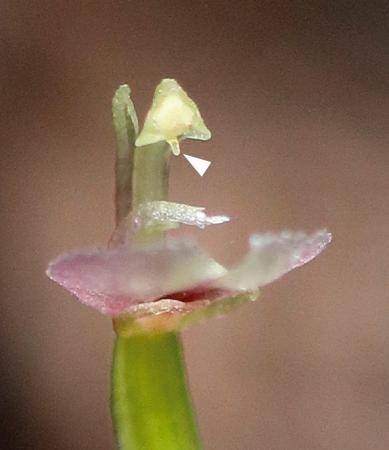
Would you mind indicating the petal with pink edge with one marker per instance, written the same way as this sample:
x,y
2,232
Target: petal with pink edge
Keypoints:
x,y
271,256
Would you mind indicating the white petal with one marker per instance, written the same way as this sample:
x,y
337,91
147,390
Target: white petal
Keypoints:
x,y
273,255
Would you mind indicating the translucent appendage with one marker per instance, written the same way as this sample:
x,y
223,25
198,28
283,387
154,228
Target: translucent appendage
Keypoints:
x,y
162,212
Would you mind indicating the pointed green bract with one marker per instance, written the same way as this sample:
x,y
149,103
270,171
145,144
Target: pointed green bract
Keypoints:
x,y
173,116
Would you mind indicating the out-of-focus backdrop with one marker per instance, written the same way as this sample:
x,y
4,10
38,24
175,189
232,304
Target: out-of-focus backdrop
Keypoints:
x,y
297,97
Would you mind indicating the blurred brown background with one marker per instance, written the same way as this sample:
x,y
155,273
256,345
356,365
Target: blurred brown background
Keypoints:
x,y
297,97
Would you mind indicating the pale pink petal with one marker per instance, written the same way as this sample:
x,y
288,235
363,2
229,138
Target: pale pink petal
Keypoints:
x,y
271,256
113,280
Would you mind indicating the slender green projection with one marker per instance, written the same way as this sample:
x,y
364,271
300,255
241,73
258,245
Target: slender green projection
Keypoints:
x,y
125,123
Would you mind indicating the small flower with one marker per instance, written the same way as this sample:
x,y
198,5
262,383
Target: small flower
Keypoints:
x,y
173,116
176,278
170,283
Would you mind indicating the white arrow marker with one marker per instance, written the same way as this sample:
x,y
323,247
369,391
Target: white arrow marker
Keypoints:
x,y
199,165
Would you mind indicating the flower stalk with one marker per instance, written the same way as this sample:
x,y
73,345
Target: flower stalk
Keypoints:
x,y
151,405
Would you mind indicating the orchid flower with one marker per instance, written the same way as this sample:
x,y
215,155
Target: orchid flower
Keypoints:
x,y
177,277
153,285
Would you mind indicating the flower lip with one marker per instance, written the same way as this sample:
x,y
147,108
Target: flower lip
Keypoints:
x,y
114,281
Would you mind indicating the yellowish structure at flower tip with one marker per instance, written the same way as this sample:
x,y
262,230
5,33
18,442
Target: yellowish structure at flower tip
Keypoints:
x,y
174,146
173,116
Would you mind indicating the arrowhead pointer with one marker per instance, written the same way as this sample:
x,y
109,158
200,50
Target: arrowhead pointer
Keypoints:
x,y
199,165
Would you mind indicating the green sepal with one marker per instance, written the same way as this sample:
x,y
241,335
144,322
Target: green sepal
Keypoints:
x,y
126,127
141,322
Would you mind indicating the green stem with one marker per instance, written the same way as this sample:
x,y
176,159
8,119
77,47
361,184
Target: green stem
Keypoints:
x,y
151,406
